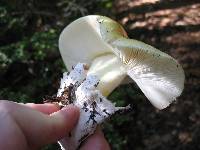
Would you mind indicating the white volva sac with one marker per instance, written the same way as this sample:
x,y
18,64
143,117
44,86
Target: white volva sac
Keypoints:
x,y
94,107
104,45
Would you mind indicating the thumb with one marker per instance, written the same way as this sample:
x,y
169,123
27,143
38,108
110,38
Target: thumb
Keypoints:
x,y
62,122
41,129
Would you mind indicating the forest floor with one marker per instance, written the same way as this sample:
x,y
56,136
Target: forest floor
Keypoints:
x,y
173,27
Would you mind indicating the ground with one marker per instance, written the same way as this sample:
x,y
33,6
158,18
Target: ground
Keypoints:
x,y
173,27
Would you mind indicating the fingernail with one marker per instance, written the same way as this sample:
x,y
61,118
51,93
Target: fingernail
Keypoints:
x,y
70,111
70,107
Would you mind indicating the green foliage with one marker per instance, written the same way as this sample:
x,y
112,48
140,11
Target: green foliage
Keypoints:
x,y
30,63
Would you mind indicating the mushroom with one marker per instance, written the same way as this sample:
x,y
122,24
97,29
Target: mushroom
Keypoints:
x,y
103,44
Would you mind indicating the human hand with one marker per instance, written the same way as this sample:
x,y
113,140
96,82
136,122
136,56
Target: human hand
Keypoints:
x,y
31,126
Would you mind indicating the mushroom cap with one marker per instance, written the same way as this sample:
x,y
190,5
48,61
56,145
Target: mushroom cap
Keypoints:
x,y
82,40
159,76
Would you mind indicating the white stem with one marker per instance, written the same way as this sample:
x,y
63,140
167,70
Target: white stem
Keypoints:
x,y
110,72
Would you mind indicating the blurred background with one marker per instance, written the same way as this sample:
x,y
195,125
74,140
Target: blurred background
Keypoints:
x,y
31,66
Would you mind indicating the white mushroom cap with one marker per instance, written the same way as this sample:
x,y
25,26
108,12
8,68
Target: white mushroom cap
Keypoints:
x,y
103,44
82,41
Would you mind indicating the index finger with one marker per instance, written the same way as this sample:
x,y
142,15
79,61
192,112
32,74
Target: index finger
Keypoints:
x,y
44,108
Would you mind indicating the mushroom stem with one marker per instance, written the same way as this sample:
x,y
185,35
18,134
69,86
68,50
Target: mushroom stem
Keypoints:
x,y
110,73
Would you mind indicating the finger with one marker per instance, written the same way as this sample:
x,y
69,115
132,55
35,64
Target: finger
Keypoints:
x,y
44,108
40,129
96,141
